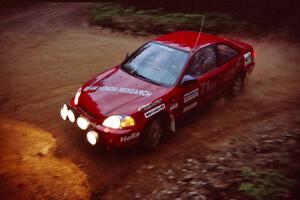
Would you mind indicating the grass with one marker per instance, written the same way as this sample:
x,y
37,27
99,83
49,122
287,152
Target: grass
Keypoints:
x,y
157,21
267,184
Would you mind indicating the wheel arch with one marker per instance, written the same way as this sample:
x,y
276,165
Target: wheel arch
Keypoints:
x,y
166,118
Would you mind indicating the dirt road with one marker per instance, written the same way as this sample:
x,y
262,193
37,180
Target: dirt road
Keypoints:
x,y
47,51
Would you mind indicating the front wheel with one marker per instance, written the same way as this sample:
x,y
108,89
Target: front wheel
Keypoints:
x,y
237,84
152,135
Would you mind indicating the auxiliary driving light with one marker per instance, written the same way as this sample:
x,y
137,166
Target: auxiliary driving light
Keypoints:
x,y
82,123
71,116
64,112
92,137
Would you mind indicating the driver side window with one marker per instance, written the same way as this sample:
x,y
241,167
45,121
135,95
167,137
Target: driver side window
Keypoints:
x,y
203,61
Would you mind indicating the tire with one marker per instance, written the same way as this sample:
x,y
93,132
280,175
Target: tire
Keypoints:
x,y
152,135
237,85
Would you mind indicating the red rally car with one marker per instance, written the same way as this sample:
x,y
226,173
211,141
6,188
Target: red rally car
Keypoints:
x,y
141,99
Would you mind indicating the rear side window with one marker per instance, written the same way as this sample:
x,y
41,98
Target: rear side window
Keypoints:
x,y
225,53
204,60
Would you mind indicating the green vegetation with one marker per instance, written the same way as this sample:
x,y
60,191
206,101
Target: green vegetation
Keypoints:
x,y
136,21
267,184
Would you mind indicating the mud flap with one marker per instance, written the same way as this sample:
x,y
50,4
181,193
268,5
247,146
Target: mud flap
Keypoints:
x,y
172,123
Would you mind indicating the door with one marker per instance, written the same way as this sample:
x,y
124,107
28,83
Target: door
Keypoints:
x,y
203,66
229,64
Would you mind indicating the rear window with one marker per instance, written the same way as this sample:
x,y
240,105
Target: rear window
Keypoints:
x,y
225,53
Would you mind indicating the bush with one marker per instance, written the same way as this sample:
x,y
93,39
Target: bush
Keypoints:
x,y
128,18
265,184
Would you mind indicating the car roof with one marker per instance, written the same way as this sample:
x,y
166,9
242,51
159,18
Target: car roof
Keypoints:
x,y
186,40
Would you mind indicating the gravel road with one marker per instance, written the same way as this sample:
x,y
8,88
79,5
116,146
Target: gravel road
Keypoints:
x,y
47,51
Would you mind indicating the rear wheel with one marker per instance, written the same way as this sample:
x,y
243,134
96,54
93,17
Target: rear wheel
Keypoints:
x,y
237,84
152,135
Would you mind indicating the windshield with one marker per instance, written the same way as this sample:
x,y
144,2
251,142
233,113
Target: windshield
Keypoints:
x,y
156,63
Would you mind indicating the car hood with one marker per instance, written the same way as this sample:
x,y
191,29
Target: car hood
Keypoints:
x,y
117,92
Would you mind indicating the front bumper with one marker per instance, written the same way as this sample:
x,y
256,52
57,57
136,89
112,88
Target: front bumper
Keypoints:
x,y
106,136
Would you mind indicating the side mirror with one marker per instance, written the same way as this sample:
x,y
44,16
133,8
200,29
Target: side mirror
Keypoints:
x,y
127,56
188,79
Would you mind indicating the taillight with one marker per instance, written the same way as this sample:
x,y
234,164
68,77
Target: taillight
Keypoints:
x,y
248,58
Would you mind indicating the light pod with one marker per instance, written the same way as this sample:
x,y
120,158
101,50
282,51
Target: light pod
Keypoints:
x,y
82,123
64,112
92,137
71,116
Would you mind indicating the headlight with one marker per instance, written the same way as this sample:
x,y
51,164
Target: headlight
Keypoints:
x,y
118,121
76,99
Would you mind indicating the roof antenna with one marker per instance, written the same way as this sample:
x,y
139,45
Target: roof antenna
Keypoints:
x,y
202,23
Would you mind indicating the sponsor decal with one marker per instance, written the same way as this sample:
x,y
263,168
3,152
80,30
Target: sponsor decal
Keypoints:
x,y
144,93
154,110
109,88
149,105
191,95
208,86
173,106
129,137
189,107
247,58
90,88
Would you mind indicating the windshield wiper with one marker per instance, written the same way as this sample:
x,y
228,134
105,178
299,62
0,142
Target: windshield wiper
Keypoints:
x,y
144,78
129,70
125,68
